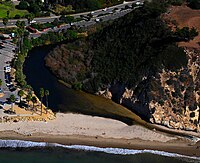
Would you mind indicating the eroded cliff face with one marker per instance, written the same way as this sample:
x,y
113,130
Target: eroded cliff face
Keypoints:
x,y
135,61
170,98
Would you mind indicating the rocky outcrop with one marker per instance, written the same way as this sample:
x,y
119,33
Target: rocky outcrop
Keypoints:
x,y
136,62
169,98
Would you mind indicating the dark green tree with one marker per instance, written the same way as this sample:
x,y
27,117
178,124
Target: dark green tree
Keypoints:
x,y
5,21
29,17
29,97
20,94
12,100
8,13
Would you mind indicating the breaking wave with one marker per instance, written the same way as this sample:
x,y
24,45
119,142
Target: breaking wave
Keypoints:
x,y
119,151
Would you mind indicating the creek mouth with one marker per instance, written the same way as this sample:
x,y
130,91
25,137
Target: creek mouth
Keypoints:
x,y
65,100
62,98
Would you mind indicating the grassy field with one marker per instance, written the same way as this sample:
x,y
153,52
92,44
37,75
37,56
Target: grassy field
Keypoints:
x,y
9,6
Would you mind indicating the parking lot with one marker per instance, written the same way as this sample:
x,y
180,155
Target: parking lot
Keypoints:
x,y
19,108
6,55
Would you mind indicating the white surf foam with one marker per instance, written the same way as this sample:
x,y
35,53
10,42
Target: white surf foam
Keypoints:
x,y
119,151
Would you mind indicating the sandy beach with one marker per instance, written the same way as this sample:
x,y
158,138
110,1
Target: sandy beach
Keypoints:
x,y
102,132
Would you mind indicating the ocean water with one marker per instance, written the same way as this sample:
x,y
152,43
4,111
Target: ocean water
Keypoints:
x,y
17,151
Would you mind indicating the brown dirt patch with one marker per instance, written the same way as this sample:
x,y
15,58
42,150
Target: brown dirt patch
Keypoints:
x,y
184,16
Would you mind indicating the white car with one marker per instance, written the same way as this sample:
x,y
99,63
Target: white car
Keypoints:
x,y
9,84
138,3
97,20
33,21
7,69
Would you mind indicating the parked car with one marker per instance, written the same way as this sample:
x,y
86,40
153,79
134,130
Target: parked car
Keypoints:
x,y
23,105
17,100
9,112
7,76
7,69
2,103
9,84
12,89
7,81
8,62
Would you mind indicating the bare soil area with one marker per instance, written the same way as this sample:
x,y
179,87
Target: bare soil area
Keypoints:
x,y
183,16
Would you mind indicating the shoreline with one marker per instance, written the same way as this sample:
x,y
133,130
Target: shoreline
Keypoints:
x,y
176,147
77,129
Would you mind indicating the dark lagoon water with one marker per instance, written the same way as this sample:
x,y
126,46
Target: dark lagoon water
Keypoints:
x,y
67,100
62,98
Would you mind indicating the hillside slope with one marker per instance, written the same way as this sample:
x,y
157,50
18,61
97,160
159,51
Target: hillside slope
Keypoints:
x,y
135,62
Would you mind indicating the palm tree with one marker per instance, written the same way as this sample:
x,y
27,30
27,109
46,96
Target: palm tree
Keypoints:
x,y
8,13
20,24
47,102
34,100
12,100
20,94
41,97
28,88
5,21
20,33
29,17
1,82
28,98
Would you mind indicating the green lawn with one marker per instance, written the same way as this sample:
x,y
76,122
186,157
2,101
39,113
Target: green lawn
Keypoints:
x,y
8,6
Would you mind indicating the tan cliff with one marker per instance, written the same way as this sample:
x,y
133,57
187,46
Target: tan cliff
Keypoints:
x,y
163,88
174,96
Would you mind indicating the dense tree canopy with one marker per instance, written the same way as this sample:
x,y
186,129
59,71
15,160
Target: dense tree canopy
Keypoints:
x,y
137,45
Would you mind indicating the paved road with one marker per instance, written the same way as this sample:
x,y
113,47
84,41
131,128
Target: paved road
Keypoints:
x,y
51,19
84,23
6,52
